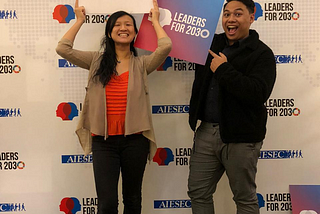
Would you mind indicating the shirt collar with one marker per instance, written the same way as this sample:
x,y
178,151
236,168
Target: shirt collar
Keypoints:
x,y
236,44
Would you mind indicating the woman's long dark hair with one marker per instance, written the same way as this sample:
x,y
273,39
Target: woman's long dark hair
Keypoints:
x,y
109,57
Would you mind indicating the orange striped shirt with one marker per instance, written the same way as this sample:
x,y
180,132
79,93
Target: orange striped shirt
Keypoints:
x,y
116,98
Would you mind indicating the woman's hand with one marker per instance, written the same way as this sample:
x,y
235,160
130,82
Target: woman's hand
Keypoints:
x,y
80,12
154,14
81,17
154,17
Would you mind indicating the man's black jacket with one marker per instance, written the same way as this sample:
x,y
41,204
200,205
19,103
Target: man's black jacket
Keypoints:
x,y
245,83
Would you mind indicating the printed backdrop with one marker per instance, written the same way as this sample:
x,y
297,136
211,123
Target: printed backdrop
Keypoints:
x,y
42,167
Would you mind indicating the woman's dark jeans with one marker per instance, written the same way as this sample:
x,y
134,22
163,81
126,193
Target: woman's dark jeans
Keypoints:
x,y
118,153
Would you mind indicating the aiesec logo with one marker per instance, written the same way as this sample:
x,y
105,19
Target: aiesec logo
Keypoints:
x,y
63,63
171,204
164,156
10,161
63,13
8,66
281,154
67,159
67,111
288,59
275,202
10,112
8,14
12,207
165,65
282,108
72,205
170,109
280,11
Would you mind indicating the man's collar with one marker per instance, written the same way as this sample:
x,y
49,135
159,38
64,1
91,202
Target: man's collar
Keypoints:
x,y
237,43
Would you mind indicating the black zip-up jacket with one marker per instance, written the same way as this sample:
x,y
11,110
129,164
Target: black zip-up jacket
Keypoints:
x,y
245,83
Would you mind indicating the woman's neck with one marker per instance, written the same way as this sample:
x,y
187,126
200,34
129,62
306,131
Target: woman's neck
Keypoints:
x,y
123,53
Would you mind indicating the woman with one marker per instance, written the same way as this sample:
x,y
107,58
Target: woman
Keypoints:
x,y
115,123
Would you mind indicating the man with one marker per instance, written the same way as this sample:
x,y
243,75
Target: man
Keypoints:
x,y
228,98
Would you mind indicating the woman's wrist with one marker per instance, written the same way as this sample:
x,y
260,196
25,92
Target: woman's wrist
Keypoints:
x,y
80,21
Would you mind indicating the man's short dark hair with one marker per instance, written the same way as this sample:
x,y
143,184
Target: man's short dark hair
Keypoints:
x,y
248,3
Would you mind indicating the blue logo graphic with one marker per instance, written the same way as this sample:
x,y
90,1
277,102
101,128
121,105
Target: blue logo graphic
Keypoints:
x,y
172,204
67,111
163,156
76,159
261,200
8,14
258,12
165,65
12,207
282,59
66,64
280,154
70,205
170,109
63,13
10,112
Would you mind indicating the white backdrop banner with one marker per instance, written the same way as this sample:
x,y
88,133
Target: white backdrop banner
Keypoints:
x,y
110,6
